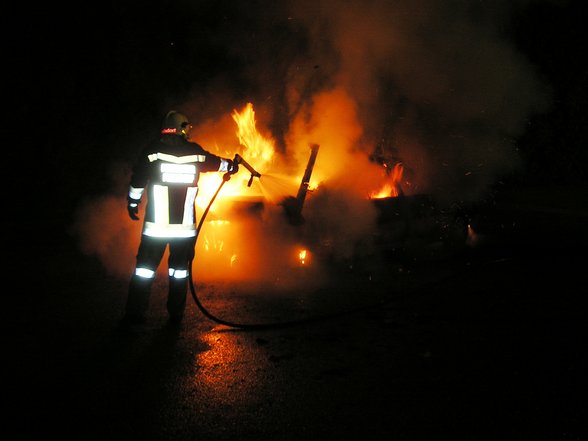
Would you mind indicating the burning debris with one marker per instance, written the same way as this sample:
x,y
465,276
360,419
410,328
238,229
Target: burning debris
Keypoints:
x,y
293,205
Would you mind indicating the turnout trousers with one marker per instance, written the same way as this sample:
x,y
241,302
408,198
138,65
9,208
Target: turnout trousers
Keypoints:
x,y
148,258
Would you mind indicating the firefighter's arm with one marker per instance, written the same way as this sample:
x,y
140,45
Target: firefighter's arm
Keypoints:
x,y
215,163
139,178
133,201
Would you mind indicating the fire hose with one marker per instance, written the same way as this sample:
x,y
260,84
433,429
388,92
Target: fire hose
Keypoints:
x,y
226,177
251,326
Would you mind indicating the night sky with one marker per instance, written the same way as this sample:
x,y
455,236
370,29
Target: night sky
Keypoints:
x,y
492,83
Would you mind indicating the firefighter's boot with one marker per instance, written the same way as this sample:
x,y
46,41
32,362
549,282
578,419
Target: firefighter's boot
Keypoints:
x,y
176,299
138,299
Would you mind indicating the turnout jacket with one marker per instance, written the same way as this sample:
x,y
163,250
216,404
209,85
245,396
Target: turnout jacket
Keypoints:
x,y
168,170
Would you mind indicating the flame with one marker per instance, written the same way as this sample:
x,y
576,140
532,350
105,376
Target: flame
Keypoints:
x,y
243,248
386,191
256,148
302,256
392,187
228,244
260,150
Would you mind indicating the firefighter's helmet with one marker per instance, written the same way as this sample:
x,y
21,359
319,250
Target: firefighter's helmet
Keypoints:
x,y
176,123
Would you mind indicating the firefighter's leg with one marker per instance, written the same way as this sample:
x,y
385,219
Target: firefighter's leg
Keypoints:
x,y
180,253
176,300
139,293
148,257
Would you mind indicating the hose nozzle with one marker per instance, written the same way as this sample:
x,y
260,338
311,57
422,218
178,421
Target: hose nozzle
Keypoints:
x,y
254,173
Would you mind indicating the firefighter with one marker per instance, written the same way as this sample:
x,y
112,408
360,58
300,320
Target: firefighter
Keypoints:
x,y
167,171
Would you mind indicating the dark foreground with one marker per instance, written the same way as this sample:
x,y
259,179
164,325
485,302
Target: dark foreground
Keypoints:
x,y
485,344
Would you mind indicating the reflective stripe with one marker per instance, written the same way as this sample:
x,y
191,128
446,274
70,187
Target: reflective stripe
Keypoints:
x,y
189,206
176,159
135,193
161,204
181,173
161,227
178,274
178,168
169,230
178,178
145,272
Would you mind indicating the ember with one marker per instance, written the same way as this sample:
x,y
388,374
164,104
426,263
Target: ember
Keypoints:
x,y
302,257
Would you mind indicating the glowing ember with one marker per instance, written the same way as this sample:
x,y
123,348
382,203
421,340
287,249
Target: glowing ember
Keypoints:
x,y
302,257
472,237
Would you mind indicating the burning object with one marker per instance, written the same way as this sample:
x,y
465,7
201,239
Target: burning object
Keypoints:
x,y
376,219
293,205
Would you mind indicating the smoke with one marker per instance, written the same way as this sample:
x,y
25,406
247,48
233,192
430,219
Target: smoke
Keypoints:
x,y
103,228
437,84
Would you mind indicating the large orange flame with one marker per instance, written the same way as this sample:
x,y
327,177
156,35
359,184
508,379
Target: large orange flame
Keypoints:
x,y
258,151
227,243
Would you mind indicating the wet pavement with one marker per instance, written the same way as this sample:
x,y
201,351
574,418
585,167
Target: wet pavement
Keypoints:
x,y
484,344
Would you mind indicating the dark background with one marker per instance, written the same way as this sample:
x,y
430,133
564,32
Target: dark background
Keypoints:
x,y
486,345
88,84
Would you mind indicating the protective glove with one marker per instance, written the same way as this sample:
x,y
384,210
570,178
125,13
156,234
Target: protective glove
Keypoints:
x,y
232,167
133,208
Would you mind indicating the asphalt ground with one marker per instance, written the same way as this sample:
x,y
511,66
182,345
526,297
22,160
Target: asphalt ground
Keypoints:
x,y
483,343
